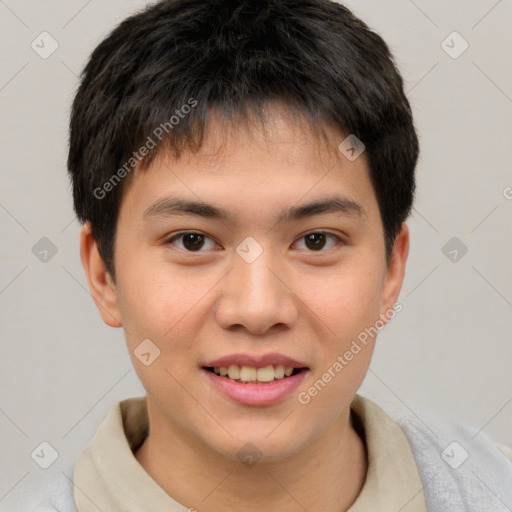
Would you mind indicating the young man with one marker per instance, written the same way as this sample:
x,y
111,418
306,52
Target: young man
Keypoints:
x,y
243,171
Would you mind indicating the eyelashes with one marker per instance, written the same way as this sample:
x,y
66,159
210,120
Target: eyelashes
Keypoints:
x,y
194,242
196,239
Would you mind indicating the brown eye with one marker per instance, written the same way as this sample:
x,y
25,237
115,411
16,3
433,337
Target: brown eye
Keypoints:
x,y
316,241
191,242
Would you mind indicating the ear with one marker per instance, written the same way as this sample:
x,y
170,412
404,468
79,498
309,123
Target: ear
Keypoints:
x,y
396,270
102,287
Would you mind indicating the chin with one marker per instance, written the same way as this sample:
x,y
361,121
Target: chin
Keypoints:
x,y
262,444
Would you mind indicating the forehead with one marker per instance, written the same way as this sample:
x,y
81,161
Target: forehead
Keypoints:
x,y
254,165
276,130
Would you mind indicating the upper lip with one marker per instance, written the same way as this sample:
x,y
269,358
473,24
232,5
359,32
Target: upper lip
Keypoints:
x,y
256,361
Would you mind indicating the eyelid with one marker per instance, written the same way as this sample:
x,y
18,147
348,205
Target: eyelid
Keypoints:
x,y
169,240
322,232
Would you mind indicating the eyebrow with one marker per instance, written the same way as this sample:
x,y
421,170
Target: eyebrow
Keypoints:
x,y
171,206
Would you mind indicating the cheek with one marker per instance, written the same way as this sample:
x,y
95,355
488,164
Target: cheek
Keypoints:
x,y
152,300
159,335
349,310
167,308
346,302
348,305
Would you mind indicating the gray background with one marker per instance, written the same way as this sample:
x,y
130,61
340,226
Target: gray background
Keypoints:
x,y
449,350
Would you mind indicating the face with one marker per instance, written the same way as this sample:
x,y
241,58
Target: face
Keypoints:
x,y
280,268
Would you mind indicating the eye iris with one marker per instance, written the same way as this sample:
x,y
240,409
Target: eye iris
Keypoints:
x,y
317,240
193,241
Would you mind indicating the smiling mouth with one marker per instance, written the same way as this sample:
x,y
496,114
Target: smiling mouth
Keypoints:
x,y
251,375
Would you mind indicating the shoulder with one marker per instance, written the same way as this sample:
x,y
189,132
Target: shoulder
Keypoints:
x,y
462,467
507,451
52,493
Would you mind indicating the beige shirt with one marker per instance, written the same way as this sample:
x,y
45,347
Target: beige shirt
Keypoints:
x,y
108,477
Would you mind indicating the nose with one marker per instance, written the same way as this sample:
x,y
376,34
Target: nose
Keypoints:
x,y
256,296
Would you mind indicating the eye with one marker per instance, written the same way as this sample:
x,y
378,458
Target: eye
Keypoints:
x,y
316,240
191,241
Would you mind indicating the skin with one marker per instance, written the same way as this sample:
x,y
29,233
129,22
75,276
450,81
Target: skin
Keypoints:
x,y
197,306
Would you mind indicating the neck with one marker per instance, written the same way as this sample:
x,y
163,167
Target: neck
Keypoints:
x,y
328,474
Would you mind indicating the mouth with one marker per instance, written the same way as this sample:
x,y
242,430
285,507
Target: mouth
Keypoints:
x,y
255,375
255,380
255,386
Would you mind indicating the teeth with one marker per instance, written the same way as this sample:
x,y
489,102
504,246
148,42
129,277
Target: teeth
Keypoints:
x,y
267,373
279,371
234,372
248,374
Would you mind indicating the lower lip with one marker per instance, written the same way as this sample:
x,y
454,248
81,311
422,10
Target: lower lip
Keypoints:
x,y
256,394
